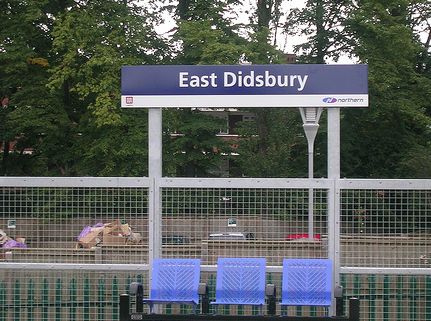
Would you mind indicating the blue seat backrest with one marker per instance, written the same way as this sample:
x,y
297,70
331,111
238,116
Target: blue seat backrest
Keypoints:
x,y
307,282
175,280
240,281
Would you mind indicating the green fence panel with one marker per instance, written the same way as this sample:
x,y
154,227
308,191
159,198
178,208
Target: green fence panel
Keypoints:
x,y
17,300
372,297
58,299
30,300
357,286
45,299
413,299
386,298
115,298
255,310
343,284
211,290
72,300
101,300
428,298
129,280
86,309
3,312
400,298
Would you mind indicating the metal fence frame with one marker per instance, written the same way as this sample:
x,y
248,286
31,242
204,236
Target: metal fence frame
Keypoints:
x,y
155,186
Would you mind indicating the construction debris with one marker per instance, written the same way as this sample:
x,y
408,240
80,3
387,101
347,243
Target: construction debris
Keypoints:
x,y
113,233
7,242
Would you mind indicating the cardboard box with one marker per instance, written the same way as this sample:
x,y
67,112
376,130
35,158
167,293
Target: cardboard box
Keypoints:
x,y
117,228
115,233
92,238
112,239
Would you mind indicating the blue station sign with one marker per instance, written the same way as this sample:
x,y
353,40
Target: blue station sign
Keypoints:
x,y
289,85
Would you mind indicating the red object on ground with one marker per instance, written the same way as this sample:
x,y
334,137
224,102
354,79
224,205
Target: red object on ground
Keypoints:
x,y
301,236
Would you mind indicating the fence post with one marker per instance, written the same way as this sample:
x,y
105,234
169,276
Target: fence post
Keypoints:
x,y
372,297
115,298
334,195
17,300
45,300
356,285
3,312
400,300
30,300
386,298
124,307
58,288
211,287
428,299
72,300
413,298
354,309
86,299
101,299
339,299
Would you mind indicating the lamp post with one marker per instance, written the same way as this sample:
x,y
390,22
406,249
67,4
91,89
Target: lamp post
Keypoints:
x,y
310,122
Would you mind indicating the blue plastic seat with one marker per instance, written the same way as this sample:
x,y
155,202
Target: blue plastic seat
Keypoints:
x,y
307,282
174,281
240,281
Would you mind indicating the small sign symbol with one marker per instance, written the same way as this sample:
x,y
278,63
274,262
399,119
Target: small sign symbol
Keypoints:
x,y
129,100
11,223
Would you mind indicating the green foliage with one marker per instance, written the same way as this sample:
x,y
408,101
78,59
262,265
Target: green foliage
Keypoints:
x,y
205,36
192,148
60,67
380,140
283,150
322,23
204,44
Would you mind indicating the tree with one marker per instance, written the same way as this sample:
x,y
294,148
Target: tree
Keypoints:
x,y
110,141
380,141
275,141
33,118
322,22
63,85
203,36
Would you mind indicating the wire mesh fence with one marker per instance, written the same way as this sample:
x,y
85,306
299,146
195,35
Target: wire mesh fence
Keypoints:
x,y
390,297
383,226
62,295
51,219
386,228
243,222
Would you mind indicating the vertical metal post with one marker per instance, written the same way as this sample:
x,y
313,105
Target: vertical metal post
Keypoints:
x,y
333,143
310,123
124,307
354,309
334,195
154,174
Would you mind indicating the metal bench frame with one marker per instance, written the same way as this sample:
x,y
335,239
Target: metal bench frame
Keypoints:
x,y
234,271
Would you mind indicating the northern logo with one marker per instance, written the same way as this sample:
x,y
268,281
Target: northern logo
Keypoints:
x,y
329,100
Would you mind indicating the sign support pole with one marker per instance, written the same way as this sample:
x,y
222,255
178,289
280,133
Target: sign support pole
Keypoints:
x,y
334,195
154,174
